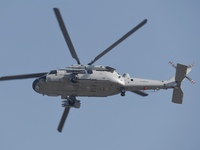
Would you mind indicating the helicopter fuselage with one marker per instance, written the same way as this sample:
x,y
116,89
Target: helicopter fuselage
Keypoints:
x,y
92,81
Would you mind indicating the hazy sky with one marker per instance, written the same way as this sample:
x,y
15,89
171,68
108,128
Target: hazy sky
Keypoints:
x,y
31,41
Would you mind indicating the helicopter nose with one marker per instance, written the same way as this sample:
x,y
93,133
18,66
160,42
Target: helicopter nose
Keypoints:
x,y
35,85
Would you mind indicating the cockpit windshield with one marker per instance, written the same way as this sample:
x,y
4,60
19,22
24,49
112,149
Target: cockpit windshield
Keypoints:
x,y
53,72
110,69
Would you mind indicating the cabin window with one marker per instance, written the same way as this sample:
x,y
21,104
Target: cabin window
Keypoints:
x,y
89,71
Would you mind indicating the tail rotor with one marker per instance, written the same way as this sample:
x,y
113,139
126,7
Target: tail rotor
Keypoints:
x,y
181,74
189,68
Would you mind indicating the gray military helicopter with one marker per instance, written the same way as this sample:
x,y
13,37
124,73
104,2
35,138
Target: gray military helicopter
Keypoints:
x,y
96,80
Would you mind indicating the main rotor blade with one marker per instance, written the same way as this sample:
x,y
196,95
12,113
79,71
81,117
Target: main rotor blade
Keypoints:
x,y
66,35
62,121
119,41
23,76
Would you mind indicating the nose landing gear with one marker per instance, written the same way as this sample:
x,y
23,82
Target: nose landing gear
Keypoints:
x,y
123,92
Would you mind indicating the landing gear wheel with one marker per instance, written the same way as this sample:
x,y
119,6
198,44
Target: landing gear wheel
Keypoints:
x,y
122,93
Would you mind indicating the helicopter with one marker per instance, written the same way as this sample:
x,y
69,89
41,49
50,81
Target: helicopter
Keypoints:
x,y
79,80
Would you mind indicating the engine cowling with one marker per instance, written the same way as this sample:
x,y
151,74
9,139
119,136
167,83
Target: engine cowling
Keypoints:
x,y
126,75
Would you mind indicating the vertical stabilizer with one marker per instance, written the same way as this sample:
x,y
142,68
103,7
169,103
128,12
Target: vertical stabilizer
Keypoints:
x,y
189,68
181,71
177,96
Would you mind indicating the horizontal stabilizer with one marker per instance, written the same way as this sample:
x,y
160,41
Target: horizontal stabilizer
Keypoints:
x,y
177,96
140,93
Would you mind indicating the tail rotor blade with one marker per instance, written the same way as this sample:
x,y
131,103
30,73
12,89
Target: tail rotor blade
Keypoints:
x,y
191,65
191,80
119,41
64,117
172,64
65,34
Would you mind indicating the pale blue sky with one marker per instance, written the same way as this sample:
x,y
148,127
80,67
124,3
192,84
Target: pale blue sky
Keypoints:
x,y
31,41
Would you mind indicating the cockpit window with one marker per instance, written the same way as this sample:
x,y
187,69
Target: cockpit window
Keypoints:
x,y
110,69
53,72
